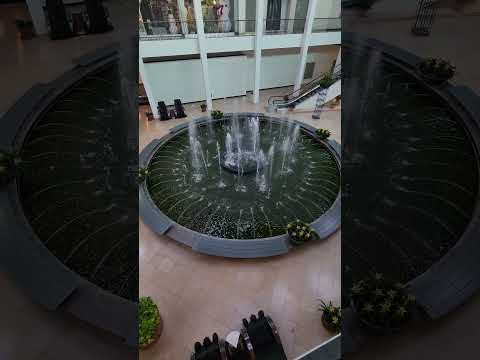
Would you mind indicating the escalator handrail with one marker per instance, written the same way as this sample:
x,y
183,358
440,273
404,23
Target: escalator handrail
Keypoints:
x,y
305,88
280,100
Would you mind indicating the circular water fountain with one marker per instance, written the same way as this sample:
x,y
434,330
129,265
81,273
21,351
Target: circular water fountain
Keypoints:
x,y
229,187
410,176
71,214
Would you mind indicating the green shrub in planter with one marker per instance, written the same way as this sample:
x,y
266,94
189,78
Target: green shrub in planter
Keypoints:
x,y
331,316
323,134
326,81
300,232
217,114
142,174
382,305
148,322
436,70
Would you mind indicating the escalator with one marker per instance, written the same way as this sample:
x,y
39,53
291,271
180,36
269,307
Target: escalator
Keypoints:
x,y
307,91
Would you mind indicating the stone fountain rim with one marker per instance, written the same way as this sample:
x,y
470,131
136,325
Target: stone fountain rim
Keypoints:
x,y
44,278
325,225
460,266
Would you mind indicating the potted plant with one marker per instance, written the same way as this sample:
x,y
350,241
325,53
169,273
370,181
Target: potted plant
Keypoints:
x,y
323,134
217,114
381,305
142,174
436,71
300,233
149,115
25,28
203,107
9,163
331,316
149,322
326,81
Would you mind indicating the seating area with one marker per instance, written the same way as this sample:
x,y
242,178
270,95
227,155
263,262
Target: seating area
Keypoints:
x,y
166,113
258,339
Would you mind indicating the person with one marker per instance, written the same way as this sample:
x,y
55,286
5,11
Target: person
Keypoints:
x,y
172,24
192,27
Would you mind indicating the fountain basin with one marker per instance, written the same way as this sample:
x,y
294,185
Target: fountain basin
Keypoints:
x,y
70,218
410,176
227,225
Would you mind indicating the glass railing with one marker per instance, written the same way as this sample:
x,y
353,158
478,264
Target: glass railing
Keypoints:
x,y
165,30
283,26
326,24
297,26
168,30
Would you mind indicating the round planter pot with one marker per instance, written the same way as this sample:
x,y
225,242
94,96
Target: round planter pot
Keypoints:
x,y
327,325
372,328
156,337
432,79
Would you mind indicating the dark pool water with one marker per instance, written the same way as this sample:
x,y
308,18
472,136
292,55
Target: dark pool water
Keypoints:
x,y
252,208
77,191
410,175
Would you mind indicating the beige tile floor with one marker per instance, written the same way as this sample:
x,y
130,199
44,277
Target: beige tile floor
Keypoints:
x,y
198,294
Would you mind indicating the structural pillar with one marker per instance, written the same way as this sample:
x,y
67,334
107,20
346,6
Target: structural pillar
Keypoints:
x,y
338,62
241,11
258,50
197,6
292,8
148,88
312,6
38,16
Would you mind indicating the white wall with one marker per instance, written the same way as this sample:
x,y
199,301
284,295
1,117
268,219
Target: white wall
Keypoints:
x,y
328,9
157,48
323,57
229,76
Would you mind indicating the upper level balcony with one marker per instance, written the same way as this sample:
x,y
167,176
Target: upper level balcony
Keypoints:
x,y
176,29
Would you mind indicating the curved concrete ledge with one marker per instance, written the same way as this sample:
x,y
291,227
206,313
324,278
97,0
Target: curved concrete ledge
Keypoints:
x,y
32,266
456,276
325,225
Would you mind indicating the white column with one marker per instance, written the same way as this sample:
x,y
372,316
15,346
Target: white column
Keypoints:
x,y
292,8
148,88
241,11
312,6
258,50
197,6
338,62
38,16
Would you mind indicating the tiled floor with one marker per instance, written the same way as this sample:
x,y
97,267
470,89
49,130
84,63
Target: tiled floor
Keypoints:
x,y
198,294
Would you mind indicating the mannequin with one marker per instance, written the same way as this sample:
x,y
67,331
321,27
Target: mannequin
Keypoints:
x,y
223,13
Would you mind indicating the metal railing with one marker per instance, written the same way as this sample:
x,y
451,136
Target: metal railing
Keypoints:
x,y
306,88
166,30
326,24
297,26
